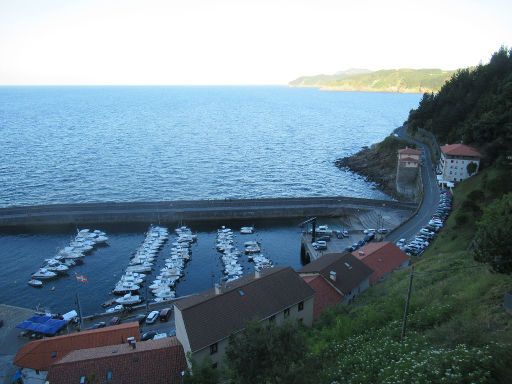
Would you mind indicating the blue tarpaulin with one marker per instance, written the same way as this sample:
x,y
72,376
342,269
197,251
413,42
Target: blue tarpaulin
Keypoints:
x,y
43,324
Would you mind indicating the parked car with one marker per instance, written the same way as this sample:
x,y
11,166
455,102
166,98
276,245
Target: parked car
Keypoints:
x,y
165,314
148,335
140,318
114,321
323,238
100,324
319,245
159,336
153,315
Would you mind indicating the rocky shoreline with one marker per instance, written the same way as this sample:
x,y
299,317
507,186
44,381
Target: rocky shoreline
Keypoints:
x,y
377,164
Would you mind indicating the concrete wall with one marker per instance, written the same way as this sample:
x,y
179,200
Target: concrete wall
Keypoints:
x,y
363,286
175,211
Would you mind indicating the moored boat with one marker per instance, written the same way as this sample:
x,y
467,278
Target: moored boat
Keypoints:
x,y
35,283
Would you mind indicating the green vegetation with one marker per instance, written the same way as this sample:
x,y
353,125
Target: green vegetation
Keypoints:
x,y
493,243
474,106
458,330
392,80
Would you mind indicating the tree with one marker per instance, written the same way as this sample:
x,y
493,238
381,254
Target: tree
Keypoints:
x,y
471,168
268,354
202,373
493,243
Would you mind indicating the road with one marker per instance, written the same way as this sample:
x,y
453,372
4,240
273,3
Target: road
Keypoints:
x,y
431,194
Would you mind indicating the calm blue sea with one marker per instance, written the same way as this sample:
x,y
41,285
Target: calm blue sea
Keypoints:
x,y
84,144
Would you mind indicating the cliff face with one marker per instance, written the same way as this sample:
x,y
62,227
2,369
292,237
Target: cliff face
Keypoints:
x,y
377,163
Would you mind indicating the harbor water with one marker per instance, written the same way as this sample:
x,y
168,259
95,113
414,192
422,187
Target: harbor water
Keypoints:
x,y
103,144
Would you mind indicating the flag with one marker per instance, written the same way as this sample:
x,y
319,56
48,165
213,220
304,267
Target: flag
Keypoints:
x,y
81,278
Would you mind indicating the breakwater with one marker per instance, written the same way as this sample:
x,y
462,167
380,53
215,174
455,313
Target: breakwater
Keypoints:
x,y
190,211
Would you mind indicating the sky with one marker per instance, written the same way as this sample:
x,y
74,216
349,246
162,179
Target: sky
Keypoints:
x,y
234,42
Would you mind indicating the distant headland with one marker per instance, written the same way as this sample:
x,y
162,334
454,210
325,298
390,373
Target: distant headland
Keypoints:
x,y
402,80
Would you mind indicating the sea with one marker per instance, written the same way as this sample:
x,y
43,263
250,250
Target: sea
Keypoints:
x,y
134,143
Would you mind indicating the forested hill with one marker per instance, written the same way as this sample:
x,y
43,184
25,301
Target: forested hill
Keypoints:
x,y
473,107
392,80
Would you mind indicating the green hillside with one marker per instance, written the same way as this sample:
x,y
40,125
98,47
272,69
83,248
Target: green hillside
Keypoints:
x,y
392,80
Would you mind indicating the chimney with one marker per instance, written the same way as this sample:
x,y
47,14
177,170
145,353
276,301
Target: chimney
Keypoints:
x,y
332,275
132,342
217,289
257,274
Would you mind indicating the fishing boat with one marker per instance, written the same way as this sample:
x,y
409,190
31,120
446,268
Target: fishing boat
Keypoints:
x,y
43,274
35,283
247,230
129,299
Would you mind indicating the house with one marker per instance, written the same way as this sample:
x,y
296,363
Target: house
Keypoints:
x,y
336,278
455,159
40,355
325,294
153,361
383,257
205,321
408,157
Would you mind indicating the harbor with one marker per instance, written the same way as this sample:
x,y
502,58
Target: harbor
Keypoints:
x,y
279,241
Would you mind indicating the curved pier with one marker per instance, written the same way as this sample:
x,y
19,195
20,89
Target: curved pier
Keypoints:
x,y
195,210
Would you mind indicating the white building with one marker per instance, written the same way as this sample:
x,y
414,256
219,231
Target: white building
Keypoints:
x,y
455,159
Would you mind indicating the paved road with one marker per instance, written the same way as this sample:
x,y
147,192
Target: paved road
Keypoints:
x,y
430,194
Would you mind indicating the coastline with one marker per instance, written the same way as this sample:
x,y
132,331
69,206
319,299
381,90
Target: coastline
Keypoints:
x,y
376,164
363,89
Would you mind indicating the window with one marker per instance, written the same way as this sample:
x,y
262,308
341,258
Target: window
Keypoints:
x,y
287,312
214,366
214,348
272,318
299,321
54,355
109,376
82,379
301,306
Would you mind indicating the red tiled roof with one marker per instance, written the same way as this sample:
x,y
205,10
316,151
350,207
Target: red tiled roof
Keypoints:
x,y
409,151
460,150
153,361
383,257
38,354
325,295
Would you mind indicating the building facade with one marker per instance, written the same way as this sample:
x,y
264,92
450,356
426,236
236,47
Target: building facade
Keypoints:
x,y
205,321
455,158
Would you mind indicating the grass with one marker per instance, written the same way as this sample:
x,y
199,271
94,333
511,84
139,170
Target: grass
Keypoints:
x,y
454,299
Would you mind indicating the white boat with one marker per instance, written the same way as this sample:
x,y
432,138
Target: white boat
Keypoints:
x,y
129,299
43,274
252,247
125,287
35,283
247,230
139,268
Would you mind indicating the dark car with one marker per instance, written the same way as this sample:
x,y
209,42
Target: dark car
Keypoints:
x,y
165,314
114,321
324,238
101,324
140,318
148,335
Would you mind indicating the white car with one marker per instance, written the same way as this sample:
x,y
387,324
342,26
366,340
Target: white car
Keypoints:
x,y
159,336
153,315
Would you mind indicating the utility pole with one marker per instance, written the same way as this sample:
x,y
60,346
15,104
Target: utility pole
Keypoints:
x,y
79,312
406,309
